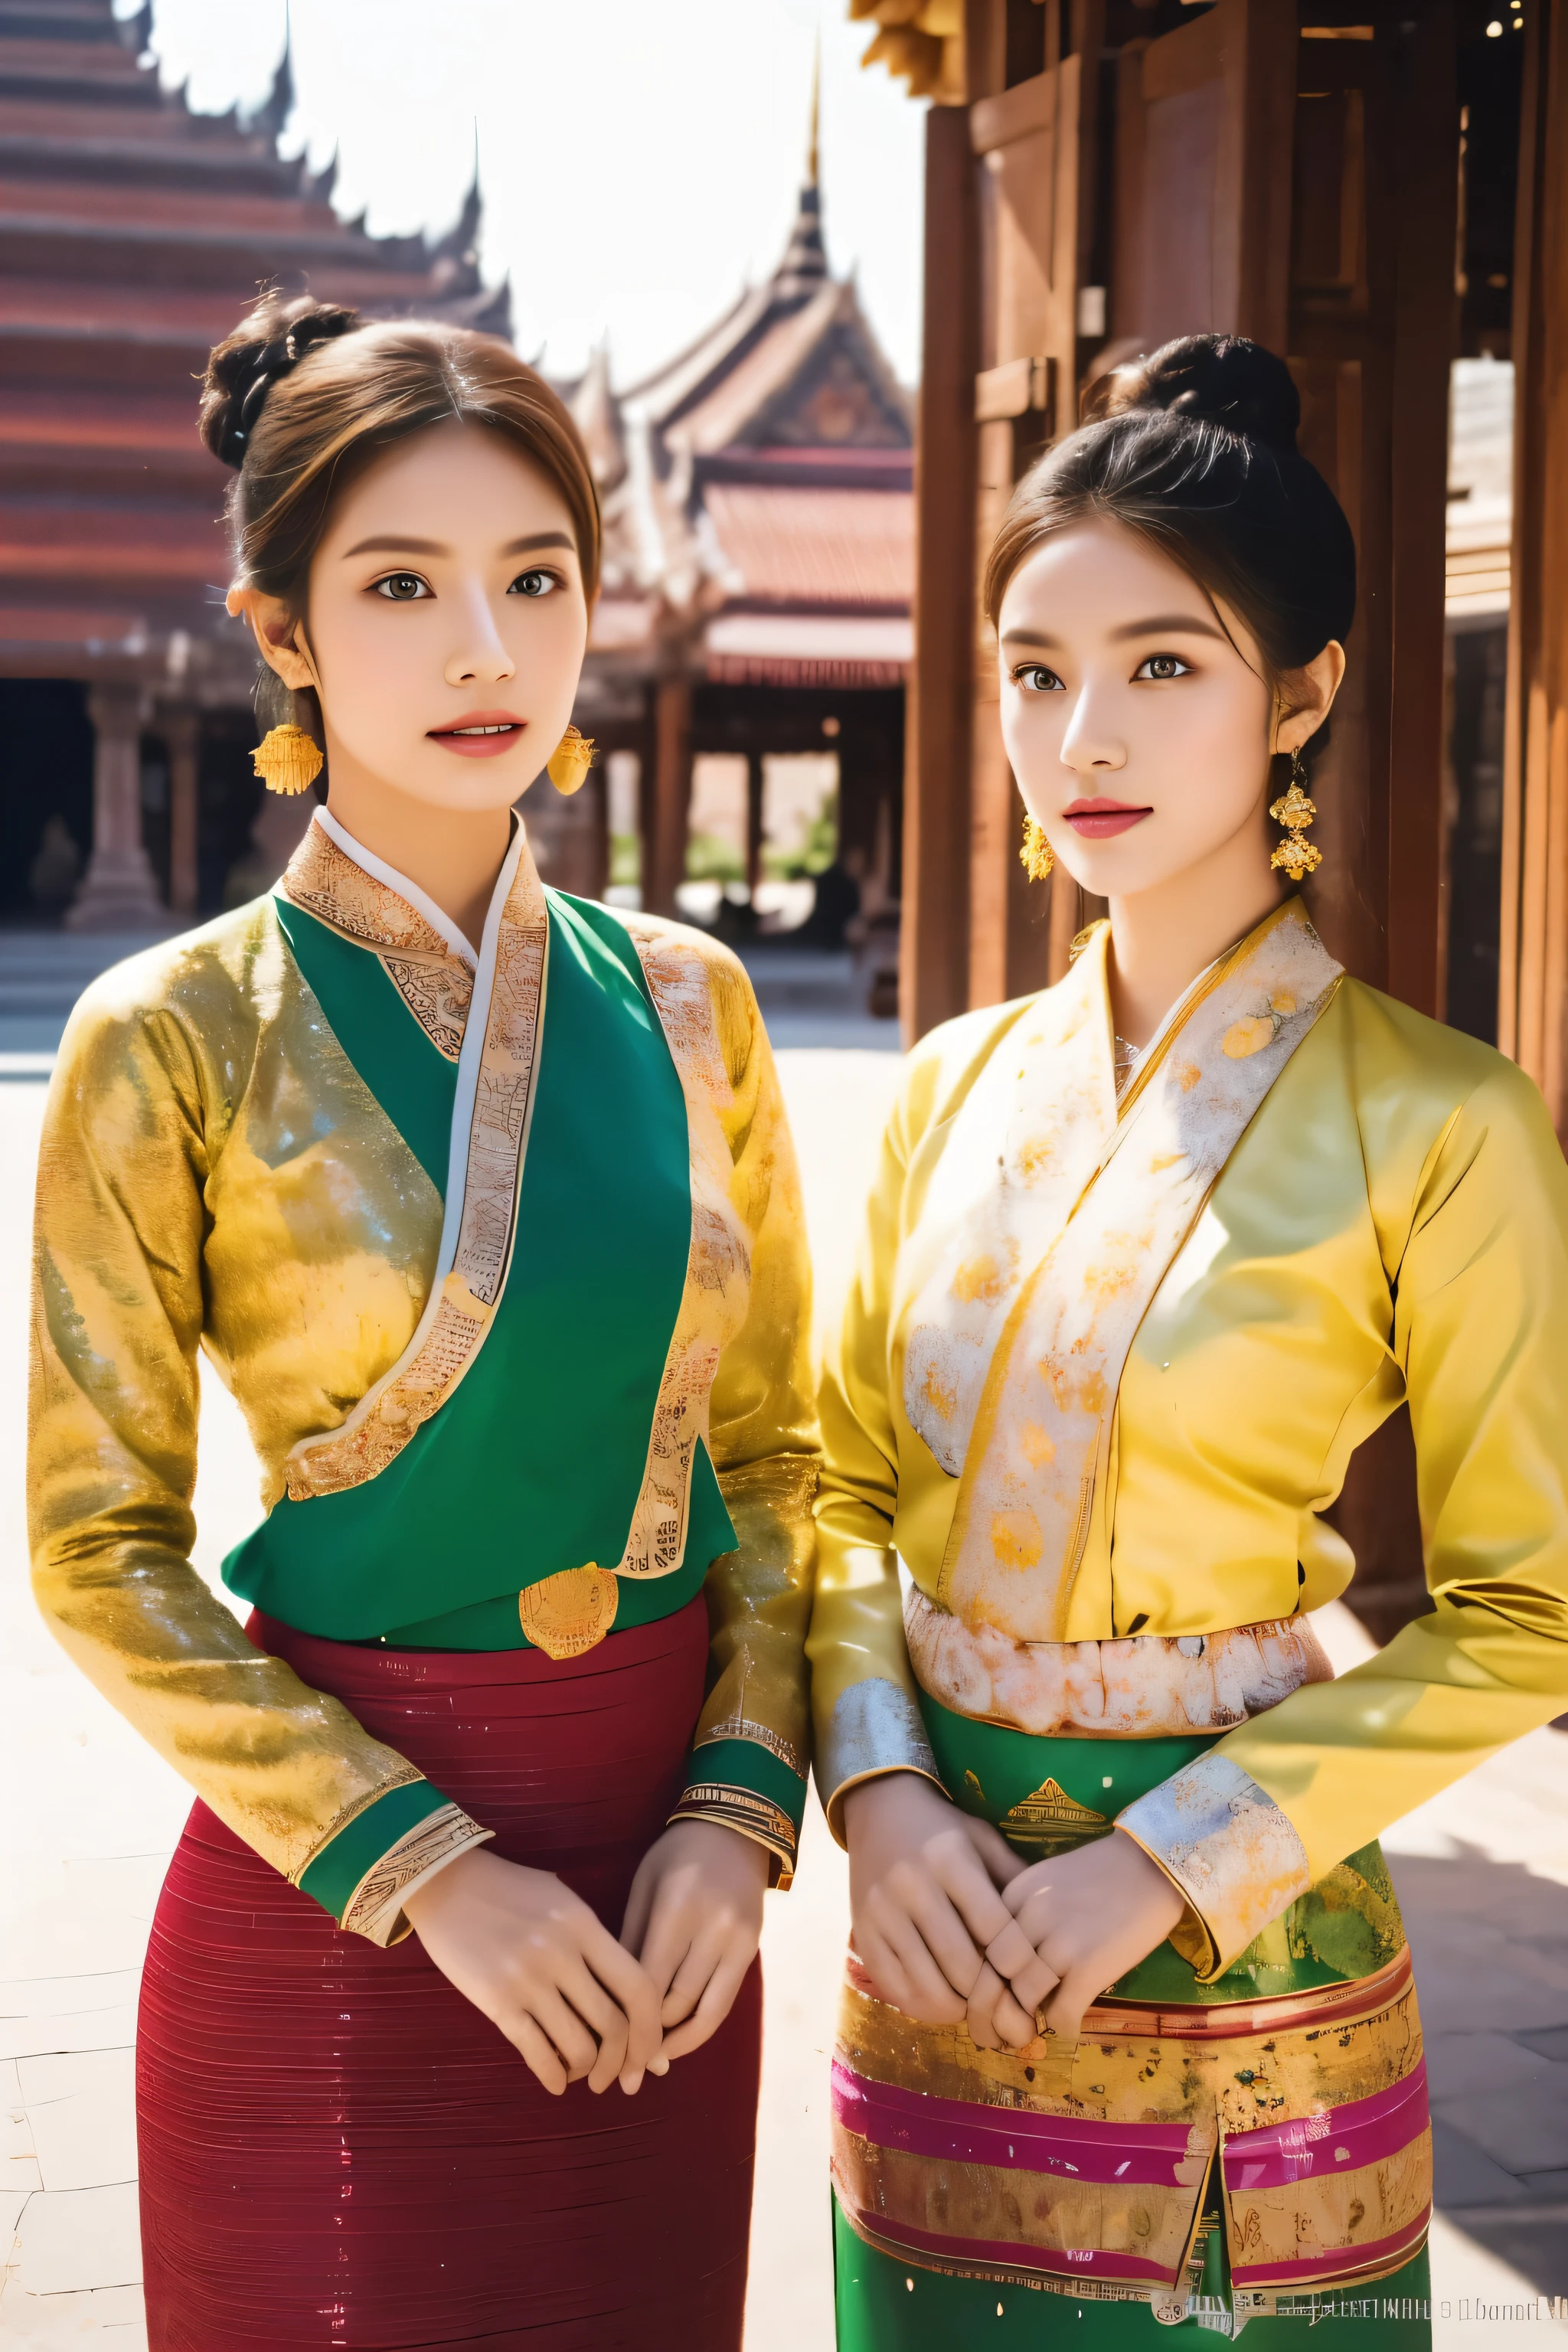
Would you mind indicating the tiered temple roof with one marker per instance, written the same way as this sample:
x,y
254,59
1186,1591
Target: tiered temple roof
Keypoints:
x,y
757,491
133,233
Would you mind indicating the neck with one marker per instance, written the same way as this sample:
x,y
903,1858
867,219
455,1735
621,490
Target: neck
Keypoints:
x,y
1162,938
454,854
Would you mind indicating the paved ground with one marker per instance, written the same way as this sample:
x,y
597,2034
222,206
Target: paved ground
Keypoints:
x,y
1483,1875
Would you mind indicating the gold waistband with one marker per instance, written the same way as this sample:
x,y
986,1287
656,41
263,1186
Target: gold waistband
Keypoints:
x,y
1145,1687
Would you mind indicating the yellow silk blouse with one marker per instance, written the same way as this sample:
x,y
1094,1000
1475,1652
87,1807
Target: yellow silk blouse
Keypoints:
x,y
215,1174
1393,1224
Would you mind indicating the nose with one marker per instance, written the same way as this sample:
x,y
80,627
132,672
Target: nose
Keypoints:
x,y
479,657
1092,742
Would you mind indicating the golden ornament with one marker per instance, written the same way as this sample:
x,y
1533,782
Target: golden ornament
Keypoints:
x,y
1295,812
1037,857
565,1614
568,764
286,759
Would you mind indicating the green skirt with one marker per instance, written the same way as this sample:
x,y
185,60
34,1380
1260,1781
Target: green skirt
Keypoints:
x,y
885,2306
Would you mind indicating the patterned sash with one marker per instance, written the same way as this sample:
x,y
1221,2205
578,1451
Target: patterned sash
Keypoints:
x,y
1018,1339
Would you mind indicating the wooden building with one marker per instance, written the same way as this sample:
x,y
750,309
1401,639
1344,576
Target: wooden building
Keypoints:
x,y
759,560
133,233
1102,174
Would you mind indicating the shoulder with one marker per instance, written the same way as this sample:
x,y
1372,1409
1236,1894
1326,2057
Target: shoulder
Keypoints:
x,y
685,965
1404,1063
1436,1109
943,1066
197,997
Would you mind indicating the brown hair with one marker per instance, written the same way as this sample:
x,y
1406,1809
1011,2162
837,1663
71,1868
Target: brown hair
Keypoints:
x,y
303,395
1194,449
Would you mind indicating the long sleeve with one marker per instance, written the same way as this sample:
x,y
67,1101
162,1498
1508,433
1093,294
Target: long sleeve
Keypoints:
x,y
139,1112
751,1749
864,1700
1480,1338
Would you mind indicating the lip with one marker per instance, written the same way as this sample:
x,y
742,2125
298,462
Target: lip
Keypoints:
x,y
1101,820
479,747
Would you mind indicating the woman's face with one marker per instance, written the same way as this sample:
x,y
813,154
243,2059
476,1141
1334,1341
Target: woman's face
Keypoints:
x,y
1139,732
447,621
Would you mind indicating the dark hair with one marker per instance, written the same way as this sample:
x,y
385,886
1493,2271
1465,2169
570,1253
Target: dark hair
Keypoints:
x,y
303,395
1195,450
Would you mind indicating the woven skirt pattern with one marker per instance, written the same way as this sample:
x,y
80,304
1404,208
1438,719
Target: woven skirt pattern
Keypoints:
x,y
338,2150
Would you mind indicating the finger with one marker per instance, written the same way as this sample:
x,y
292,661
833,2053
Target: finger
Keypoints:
x,y
538,2055
690,1983
572,2038
945,1936
1065,2009
885,1969
985,1994
667,1948
935,2001
718,1998
1011,1951
630,1983
1015,2024
606,2021
1000,1859
963,1878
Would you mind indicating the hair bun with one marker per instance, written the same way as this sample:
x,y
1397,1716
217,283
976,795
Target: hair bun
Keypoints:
x,y
1223,378
243,368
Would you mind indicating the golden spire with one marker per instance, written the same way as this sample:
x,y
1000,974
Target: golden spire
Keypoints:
x,y
811,153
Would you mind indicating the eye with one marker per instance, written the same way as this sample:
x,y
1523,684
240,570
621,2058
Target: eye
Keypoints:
x,y
402,588
1162,665
533,584
1034,678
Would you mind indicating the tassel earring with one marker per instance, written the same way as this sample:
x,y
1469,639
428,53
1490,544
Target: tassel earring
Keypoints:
x,y
1295,812
568,764
286,759
1037,857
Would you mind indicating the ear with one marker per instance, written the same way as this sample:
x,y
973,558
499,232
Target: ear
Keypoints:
x,y
1306,697
279,638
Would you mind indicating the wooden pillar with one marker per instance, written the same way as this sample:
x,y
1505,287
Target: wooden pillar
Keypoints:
x,y
933,975
119,891
754,823
667,807
1371,339
182,729
1533,981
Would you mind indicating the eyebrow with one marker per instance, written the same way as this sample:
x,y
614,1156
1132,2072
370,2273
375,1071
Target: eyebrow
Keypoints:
x,y
393,545
1162,624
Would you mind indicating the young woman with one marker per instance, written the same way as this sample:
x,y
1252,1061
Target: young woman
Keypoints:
x,y
1130,2010
481,1201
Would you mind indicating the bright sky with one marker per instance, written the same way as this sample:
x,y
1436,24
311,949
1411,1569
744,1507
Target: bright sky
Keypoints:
x,y
639,159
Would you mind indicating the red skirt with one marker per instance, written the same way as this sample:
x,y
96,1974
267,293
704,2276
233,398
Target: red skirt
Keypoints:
x,y
338,2150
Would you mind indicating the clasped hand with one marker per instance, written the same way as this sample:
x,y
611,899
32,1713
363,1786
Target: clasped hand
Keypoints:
x,y
951,1928
577,2004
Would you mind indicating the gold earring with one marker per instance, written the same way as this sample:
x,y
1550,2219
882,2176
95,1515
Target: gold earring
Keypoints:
x,y
1037,857
1295,812
568,764
286,759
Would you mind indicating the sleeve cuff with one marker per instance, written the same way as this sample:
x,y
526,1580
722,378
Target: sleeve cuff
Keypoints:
x,y
745,1784
1224,1844
875,1728
367,1867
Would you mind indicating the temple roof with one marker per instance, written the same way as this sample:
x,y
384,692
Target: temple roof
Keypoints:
x,y
758,486
133,234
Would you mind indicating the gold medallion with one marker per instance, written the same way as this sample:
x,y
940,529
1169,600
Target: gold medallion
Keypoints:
x,y
1050,1823
564,1615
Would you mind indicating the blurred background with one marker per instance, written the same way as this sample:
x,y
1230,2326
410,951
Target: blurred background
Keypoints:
x,y
818,278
